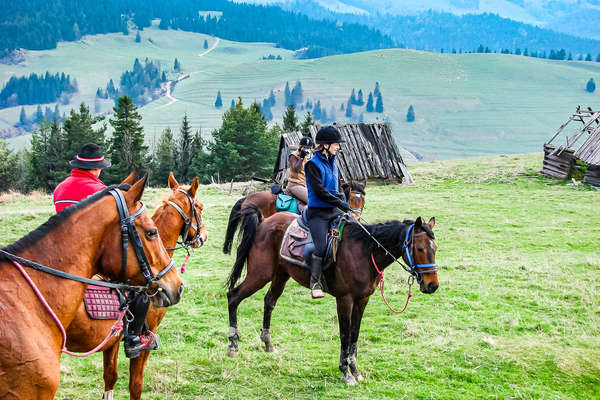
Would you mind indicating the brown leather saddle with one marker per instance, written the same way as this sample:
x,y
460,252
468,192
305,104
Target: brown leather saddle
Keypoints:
x,y
101,302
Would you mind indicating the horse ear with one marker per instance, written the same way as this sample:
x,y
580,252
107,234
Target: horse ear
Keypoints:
x,y
194,188
431,222
137,190
173,184
419,222
129,180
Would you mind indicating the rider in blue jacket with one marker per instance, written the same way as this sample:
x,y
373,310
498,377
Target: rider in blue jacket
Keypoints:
x,y
324,198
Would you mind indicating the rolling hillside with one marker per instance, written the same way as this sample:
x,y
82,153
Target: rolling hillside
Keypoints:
x,y
465,104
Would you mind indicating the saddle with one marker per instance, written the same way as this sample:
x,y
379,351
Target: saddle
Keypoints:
x,y
101,302
297,244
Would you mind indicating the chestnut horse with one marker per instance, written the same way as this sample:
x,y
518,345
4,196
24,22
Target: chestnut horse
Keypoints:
x,y
351,280
85,334
83,240
265,201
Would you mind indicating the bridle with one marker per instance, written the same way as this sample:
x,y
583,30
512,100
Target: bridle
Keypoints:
x,y
409,243
356,194
188,222
128,233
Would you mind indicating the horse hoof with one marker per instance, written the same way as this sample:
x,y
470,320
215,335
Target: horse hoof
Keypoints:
x,y
359,377
233,353
270,349
349,379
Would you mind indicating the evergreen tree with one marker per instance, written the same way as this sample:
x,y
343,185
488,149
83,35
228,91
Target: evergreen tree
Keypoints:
x,y
591,85
597,58
410,115
287,95
218,101
360,101
138,37
200,158
46,165
308,121
111,91
183,150
163,161
317,111
290,121
376,91
205,44
7,167
232,103
243,147
23,118
176,66
79,130
297,94
272,99
570,58
379,104
370,103
353,100
163,77
39,115
349,108
588,57
127,149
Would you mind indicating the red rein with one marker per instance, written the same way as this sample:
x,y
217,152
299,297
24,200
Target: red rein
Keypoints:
x,y
382,293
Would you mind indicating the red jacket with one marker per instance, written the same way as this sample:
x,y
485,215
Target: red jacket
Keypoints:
x,y
75,188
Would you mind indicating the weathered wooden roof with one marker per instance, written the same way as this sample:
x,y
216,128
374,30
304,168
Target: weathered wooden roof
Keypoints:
x,y
369,152
589,132
589,151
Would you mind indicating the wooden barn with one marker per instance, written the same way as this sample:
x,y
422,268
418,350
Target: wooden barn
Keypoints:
x,y
369,152
583,144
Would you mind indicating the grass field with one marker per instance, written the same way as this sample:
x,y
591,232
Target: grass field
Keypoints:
x,y
465,104
516,316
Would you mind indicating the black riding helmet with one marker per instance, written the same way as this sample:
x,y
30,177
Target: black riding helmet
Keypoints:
x,y
306,141
329,134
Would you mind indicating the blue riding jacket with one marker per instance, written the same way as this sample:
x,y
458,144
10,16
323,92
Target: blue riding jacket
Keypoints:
x,y
329,178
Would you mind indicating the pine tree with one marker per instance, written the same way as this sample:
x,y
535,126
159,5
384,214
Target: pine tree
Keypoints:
x,y
232,103
39,115
376,91
349,108
287,94
163,77
164,159
176,66
79,130
353,98
7,167
272,99
111,91
308,121
410,115
570,58
360,101
379,104
218,101
591,85
183,150
23,118
297,94
290,121
200,158
205,44
597,58
588,57
127,149
138,37
370,103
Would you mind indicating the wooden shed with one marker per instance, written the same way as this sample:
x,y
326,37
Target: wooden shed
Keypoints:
x,y
369,152
583,144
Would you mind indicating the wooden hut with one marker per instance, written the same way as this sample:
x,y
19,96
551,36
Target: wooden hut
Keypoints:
x,y
369,152
559,160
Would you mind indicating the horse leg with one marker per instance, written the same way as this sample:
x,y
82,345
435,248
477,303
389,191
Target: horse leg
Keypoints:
x,y
136,375
110,356
344,311
234,297
277,286
357,313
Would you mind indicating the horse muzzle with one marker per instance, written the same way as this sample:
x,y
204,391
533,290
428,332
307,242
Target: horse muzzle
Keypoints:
x,y
428,287
165,296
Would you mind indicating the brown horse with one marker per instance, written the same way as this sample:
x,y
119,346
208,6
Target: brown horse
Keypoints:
x,y
85,334
84,239
351,280
265,201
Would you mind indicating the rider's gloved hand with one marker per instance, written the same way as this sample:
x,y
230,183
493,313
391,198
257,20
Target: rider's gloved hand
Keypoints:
x,y
344,206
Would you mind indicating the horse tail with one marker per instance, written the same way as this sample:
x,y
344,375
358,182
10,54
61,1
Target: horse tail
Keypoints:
x,y
232,225
251,219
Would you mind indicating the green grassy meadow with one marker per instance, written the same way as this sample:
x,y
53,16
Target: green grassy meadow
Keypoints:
x,y
516,316
465,104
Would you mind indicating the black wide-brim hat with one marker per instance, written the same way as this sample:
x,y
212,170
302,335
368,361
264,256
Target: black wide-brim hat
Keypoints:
x,y
90,157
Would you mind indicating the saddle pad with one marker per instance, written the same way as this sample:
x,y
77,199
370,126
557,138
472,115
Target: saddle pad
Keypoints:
x,y
101,302
294,241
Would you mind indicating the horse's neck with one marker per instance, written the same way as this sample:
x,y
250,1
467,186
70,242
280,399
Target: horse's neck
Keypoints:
x,y
169,232
383,259
72,247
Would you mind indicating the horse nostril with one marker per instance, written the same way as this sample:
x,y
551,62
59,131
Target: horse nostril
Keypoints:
x,y
432,287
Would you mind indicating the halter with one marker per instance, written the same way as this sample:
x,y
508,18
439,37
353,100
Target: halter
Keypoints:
x,y
128,231
188,222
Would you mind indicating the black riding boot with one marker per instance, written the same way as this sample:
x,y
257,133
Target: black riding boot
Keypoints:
x,y
134,342
316,269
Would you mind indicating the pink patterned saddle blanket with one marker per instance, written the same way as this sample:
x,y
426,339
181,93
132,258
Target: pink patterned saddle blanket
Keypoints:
x,y
101,302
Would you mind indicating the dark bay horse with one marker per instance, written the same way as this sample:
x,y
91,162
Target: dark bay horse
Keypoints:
x,y
84,239
351,281
85,334
265,202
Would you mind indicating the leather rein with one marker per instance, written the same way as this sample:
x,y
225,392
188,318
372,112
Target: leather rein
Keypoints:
x,y
128,233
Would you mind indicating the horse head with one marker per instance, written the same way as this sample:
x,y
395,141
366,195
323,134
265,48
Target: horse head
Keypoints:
x,y
183,199
422,246
165,286
355,193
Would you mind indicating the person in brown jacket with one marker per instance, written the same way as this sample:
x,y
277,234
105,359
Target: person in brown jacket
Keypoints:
x,y
297,180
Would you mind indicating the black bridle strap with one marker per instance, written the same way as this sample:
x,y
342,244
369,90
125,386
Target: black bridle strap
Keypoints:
x,y
66,275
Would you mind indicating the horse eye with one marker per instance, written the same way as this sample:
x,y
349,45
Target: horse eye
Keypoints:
x,y
152,233
420,249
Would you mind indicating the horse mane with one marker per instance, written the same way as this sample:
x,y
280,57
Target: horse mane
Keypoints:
x,y
390,234
54,222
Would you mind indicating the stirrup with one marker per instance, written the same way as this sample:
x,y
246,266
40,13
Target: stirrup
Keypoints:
x,y
316,291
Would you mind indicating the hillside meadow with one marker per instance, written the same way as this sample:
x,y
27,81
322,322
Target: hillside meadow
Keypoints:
x,y
516,316
465,104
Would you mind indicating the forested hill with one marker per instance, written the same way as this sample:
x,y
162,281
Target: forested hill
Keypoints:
x,y
40,24
434,31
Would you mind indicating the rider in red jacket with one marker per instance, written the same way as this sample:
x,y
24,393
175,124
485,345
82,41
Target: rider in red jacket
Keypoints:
x,y
82,183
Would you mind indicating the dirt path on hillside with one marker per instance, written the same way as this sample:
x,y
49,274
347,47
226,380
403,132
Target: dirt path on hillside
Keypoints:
x,y
170,85
214,46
